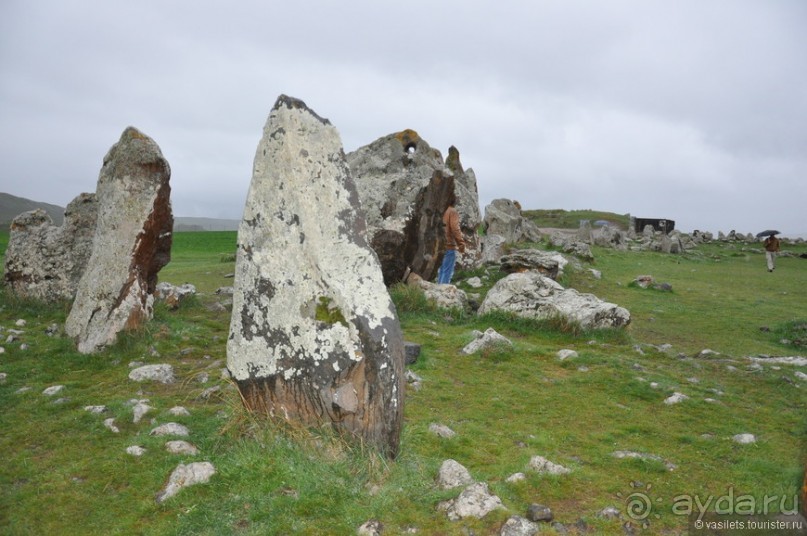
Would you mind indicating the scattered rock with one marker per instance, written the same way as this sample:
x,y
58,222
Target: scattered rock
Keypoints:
x,y
184,476
609,512
209,392
795,361
135,450
181,447
139,410
474,501
566,354
516,477
412,352
442,430
157,373
95,410
443,296
744,439
453,475
539,512
372,527
179,411
170,428
488,340
474,282
547,263
110,425
532,295
544,466
675,398
623,454
519,526
172,295
53,390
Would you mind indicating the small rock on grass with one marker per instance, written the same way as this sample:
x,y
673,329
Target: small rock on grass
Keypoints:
x,y
53,390
170,428
453,475
135,450
744,439
184,476
181,447
542,465
675,398
442,430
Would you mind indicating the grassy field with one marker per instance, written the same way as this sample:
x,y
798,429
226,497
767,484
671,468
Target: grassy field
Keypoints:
x,y
63,472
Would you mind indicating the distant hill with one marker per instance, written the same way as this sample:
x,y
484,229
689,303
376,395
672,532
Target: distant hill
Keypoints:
x,y
204,224
12,206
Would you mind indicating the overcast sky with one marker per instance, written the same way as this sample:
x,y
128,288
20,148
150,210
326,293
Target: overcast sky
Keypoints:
x,y
693,110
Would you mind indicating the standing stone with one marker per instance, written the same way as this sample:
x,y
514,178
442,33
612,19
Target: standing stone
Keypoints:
x,y
424,235
314,336
132,243
45,262
503,217
402,184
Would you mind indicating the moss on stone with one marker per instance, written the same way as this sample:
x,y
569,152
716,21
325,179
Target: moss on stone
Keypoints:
x,y
329,314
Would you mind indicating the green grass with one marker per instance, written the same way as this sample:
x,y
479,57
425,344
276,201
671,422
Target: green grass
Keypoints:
x,y
64,473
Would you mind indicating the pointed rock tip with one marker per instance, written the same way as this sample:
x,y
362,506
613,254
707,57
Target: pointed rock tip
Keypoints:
x,y
131,132
297,104
453,160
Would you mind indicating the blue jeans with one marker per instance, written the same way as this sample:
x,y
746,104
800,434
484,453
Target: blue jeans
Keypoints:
x,y
446,271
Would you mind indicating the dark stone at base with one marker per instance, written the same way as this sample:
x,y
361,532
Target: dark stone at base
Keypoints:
x,y
539,512
412,352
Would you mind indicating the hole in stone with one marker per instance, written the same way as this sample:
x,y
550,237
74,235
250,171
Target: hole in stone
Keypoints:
x,y
410,148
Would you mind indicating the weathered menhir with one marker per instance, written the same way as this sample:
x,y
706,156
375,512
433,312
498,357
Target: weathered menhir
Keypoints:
x,y
45,262
314,336
132,242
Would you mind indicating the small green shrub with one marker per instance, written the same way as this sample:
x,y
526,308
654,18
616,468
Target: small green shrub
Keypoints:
x,y
408,299
792,334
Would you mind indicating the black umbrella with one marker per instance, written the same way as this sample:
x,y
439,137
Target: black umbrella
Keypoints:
x,y
769,232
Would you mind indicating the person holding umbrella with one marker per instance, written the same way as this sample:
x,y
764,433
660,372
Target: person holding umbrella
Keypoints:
x,y
771,247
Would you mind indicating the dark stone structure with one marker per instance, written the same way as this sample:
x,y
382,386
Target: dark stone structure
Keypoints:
x,y
663,225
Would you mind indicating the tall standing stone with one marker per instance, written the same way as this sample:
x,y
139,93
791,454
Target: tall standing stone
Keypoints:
x,y
424,235
132,243
45,262
314,336
394,174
